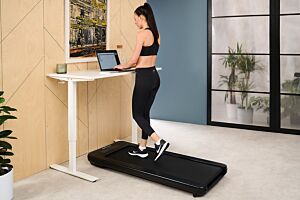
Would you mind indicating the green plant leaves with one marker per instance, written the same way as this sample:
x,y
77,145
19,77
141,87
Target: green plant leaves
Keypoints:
x,y
7,109
241,65
6,153
260,103
5,145
6,165
291,86
290,103
2,100
5,133
3,118
11,137
6,161
3,150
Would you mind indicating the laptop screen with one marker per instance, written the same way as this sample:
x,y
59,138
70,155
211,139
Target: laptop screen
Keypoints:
x,y
107,60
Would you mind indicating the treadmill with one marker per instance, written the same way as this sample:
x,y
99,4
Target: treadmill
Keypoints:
x,y
186,173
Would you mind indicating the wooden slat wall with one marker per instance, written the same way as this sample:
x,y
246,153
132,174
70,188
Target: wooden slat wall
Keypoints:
x,y
32,43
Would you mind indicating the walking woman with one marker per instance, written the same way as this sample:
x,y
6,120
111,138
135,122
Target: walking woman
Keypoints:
x,y
147,80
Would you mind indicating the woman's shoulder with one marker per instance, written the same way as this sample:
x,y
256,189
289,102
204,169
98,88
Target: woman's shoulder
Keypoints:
x,y
142,33
145,33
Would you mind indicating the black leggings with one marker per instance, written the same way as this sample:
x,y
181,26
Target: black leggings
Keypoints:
x,y
147,82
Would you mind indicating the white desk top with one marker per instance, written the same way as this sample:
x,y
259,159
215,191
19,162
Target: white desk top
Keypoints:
x,y
87,75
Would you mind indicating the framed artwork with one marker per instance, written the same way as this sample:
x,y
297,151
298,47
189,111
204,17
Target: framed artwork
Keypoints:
x,y
85,29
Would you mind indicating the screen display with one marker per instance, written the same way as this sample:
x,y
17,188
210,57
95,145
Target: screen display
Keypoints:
x,y
107,60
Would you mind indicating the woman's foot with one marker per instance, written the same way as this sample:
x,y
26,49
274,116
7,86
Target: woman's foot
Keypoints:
x,y
142,153
160,148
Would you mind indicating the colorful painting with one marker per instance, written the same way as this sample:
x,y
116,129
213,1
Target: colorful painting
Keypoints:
x,y
88,26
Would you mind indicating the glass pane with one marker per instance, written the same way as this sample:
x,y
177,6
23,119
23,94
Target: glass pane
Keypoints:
x,y
223,78
290,67
251,32
289,6
290,111
290,34
256,114
239,7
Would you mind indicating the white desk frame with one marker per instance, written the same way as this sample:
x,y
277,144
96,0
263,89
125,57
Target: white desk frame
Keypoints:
x,y
72,78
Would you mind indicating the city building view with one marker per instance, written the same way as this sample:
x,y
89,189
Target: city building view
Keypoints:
x,y
88,21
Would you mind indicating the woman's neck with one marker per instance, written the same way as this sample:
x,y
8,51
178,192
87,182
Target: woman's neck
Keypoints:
x,y
146,26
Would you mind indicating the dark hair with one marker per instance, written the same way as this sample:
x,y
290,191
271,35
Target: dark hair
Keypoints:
x,y
147,12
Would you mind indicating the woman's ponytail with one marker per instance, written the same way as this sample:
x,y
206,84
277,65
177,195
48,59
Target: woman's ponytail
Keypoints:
x,y
147,12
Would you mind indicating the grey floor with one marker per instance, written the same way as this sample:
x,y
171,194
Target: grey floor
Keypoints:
x,y
260,166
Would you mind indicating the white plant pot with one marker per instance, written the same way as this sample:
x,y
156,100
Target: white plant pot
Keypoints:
x,y
231,110
244,116
6,185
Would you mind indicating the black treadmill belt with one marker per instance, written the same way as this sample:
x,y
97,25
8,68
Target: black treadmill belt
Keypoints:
x,y
193,171
187,173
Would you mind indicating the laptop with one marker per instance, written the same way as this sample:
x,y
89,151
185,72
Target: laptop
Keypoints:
x,y
108,59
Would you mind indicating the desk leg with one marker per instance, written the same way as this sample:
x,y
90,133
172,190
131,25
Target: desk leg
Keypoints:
x,y
72,135
133,124
134,132
72,132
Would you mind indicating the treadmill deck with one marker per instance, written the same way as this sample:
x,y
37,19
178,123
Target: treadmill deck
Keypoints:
x,y
190,174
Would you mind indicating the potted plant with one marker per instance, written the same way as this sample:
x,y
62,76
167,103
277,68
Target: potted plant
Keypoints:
x,y
245,110
290,104
230,61
247,64
261,103
6,169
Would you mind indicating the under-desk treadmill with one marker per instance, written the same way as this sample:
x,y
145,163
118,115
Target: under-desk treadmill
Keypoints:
x,y
190,174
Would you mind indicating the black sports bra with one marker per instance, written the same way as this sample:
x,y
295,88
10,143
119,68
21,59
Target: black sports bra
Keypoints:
x,y
150,50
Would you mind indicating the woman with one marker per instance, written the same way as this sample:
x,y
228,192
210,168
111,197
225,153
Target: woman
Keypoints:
x,y
147,79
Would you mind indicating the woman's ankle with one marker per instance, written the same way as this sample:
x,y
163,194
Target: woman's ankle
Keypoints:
x,y
142,147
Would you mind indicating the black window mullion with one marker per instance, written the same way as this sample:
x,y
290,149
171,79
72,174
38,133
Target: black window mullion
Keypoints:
x,y
239,16
290,54
289,14
275,65
239,91
209,60
256,54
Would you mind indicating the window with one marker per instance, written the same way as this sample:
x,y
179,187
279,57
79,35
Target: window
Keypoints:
x,y
254,56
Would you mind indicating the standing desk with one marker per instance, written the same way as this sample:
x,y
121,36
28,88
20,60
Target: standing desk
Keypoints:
x,y
72,78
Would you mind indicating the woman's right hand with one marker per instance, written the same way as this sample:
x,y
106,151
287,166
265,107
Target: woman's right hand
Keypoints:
x,y
120,67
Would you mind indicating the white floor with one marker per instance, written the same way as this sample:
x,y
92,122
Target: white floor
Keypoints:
x,y
260,166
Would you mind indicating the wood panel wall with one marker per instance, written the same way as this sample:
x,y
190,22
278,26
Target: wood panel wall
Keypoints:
x,y
32,43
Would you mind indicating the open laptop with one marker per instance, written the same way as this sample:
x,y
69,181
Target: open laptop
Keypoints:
x,y
108,59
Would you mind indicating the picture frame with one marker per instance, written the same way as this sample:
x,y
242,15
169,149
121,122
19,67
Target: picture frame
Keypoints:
x,y
86,29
